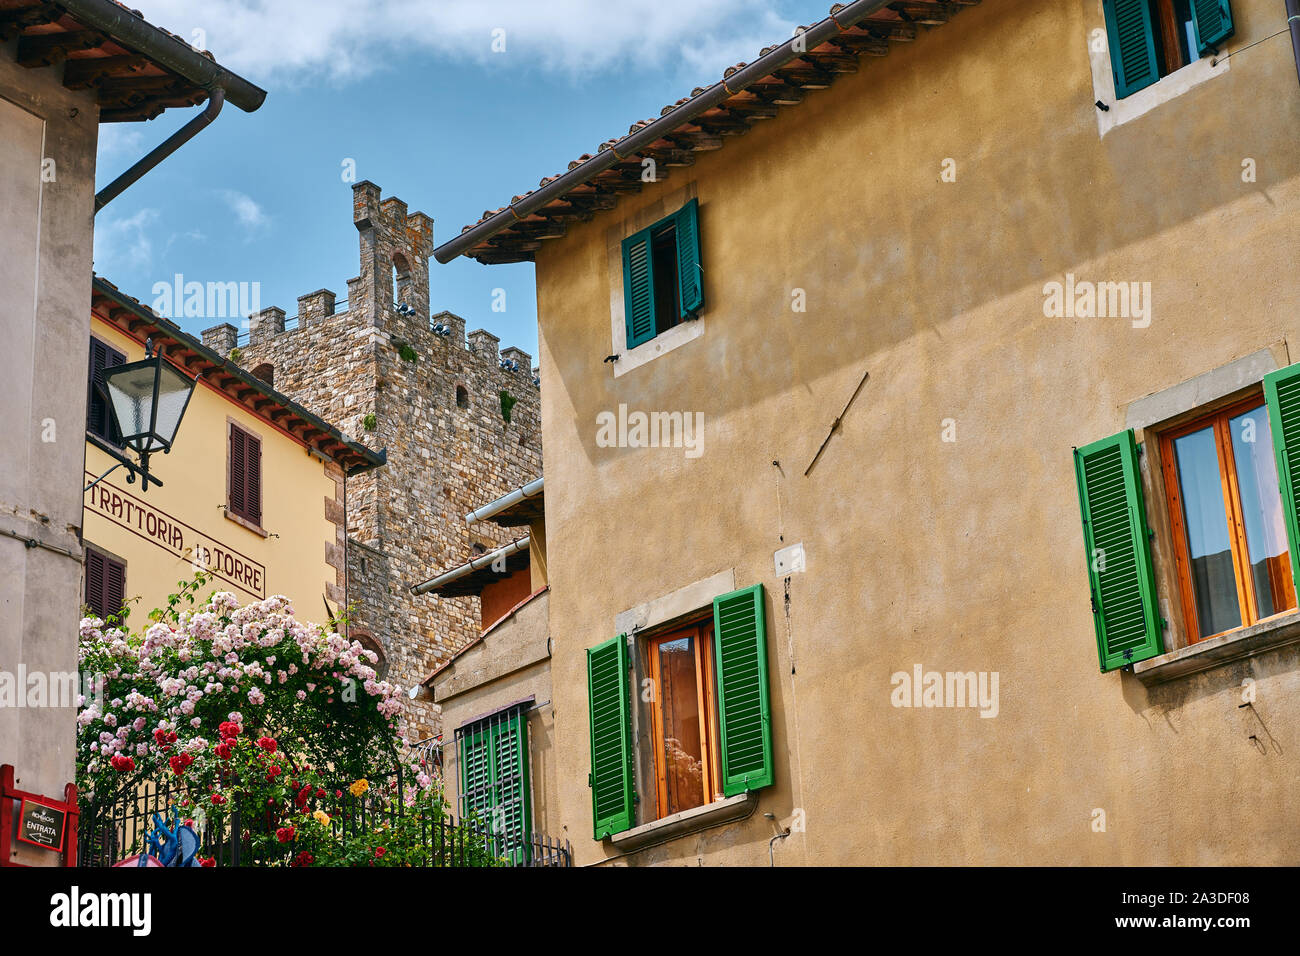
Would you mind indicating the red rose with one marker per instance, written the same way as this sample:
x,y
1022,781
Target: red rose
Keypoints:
x,y
267,744
207,861
303,859
229,729
379,852
320,794
177,764
223,751
218,799
285,834
121,764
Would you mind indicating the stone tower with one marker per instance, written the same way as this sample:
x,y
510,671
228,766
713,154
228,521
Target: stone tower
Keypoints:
x,y
391,376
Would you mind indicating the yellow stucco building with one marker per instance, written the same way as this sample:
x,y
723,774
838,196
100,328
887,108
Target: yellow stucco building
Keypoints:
x,y
810,407
254,490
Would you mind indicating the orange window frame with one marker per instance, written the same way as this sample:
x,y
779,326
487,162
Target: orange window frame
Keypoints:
x,y
1242,571
702,641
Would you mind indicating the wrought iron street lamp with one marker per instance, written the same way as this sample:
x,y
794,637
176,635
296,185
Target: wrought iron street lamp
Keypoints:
x,y
148,399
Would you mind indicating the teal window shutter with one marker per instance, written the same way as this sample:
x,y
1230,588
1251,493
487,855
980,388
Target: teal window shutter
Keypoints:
x,y
1118,547
512,813
1132,41
1213,19
744,710
494,785
1282,395
611,737
638,288
690,275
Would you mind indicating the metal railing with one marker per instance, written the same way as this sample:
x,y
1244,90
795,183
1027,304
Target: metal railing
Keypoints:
x,y
112,831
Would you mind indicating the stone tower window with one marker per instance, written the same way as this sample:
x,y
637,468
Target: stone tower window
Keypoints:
x,y
401,280
266,372
462,396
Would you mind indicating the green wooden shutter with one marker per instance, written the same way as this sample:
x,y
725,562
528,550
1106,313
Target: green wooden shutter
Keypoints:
x,y
475,775
1213,19
690,276
744,711
1118,546
611,737
1282,394
638,288
1132,41
512,817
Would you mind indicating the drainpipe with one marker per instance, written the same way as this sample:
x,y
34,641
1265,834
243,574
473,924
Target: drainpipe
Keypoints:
x,y
216,99
1293,20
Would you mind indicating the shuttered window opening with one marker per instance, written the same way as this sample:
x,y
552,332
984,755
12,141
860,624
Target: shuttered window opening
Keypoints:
x,y
99,417
105,584
244,492
1117,544
663,280
1149,39
728,685
495,792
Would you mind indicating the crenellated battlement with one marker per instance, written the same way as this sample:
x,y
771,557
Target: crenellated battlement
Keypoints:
x,y
390,296
458,415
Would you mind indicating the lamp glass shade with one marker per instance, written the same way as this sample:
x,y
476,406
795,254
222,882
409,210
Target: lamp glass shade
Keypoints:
x,y
132,391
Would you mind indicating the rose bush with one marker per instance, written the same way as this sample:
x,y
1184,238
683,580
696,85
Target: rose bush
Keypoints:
x,y
248,710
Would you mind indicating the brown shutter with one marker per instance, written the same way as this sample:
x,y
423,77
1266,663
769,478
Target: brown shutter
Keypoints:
x,y
114,586
245,475
95,582
99,419
238,499
253,482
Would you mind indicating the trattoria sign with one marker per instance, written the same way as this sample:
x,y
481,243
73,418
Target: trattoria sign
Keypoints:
x,y
178,538
40,825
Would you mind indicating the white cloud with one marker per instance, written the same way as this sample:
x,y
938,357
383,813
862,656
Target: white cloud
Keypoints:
x,y
247,212
341,39
122,244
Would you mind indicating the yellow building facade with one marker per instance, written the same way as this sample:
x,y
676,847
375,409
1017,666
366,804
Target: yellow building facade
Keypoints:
x,y
253,492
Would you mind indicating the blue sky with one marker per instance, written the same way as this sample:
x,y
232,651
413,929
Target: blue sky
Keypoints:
x,y
414,92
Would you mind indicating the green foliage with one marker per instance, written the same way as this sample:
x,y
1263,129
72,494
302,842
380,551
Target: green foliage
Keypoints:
x,y
405,351
507,403
369,422
235,355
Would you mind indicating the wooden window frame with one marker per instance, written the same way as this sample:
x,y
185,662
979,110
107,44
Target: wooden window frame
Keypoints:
x,y
701,633
1218,419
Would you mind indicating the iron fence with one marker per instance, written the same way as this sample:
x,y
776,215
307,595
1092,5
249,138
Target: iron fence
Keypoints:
x,y
114,830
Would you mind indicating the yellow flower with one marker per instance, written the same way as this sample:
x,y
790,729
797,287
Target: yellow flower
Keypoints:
x,y
359,787
322,818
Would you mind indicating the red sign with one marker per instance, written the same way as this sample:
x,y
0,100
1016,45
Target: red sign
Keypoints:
x,y
41,825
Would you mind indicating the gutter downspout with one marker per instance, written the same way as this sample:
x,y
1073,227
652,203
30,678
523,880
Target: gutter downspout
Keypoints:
x,y
792,49
216,99
1293,21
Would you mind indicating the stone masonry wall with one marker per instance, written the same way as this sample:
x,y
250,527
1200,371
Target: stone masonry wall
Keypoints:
x,y
405,521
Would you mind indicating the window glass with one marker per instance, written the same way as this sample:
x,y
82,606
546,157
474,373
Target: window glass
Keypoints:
x,y
683,739
1261,509
1214,582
